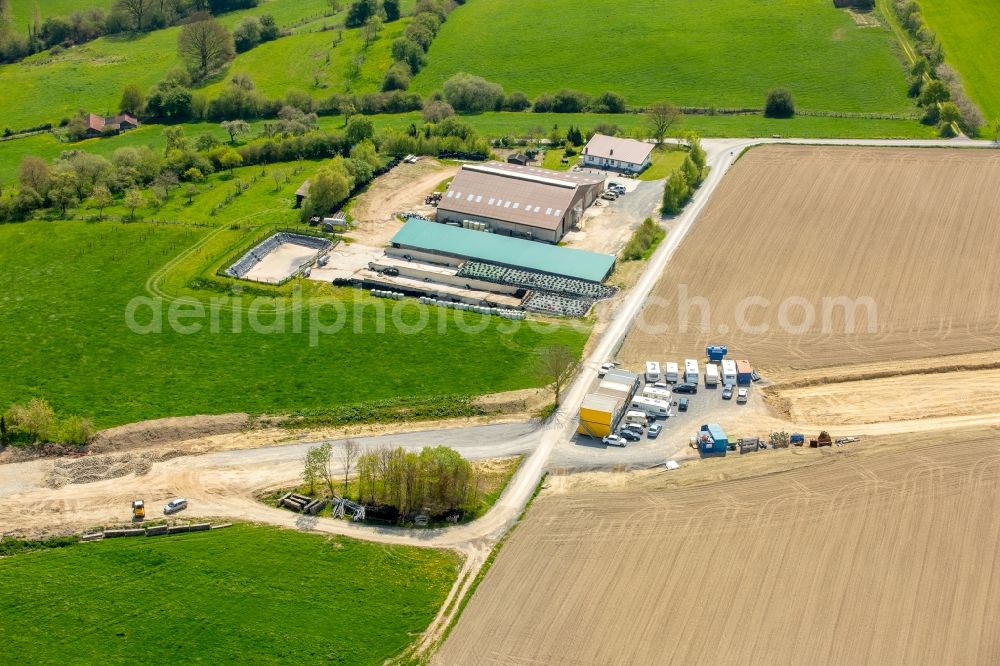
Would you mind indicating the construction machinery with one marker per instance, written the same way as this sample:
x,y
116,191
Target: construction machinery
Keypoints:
x,y
138,509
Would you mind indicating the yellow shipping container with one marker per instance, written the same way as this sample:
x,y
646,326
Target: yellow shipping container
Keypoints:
x,y
594,429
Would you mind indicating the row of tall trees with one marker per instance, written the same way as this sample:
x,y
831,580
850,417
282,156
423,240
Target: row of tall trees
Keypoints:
x,y
436,480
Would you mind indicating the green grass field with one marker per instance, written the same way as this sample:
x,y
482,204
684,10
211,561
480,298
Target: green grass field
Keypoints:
x,y
965,28
244,595
21,10
46,88
665,162
65,288
725,53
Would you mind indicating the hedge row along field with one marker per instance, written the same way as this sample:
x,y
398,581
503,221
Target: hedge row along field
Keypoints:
x,y
244,595
726,53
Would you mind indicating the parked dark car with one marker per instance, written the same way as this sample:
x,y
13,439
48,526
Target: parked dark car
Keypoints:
x,y
686,388
682,405
630,435
727,393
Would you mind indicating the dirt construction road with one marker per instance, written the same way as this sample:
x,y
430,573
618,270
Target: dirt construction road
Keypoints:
x,y
874,556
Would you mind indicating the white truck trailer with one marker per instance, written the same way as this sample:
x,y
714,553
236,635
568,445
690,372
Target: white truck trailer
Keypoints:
x,y
691,371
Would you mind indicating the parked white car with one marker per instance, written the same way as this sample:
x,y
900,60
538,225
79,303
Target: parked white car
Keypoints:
x,y
174,505
613,440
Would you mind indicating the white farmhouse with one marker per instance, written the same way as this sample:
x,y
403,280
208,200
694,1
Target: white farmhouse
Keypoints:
x,y
617,154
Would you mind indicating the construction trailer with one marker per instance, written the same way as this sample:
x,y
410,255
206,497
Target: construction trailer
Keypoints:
x,y
615,390
711,375
728,372
652,372
599,415
712,440
716,353
691,371
624,377
744,373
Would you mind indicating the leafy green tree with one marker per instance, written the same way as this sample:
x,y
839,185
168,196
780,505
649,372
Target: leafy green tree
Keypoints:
x,y
191,191
358,129
35,419
472,94
779,104
691,172
676,193
133,199
100,199
133,101
934,92
359,12
391,9
247,34
697,153
327,189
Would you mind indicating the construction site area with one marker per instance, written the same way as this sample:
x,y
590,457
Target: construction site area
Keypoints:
x,y
487,237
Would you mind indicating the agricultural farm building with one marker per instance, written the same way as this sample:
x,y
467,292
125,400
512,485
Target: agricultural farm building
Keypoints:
x,y
101,125
448,245
527,202
617,154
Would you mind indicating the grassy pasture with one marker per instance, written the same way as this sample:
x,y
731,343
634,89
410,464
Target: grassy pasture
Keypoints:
x,y
66,285
221,596
965,28
665,162
725,53
21,10
45,88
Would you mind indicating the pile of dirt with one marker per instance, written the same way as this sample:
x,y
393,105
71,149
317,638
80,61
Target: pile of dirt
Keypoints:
x,y
100,468
166,431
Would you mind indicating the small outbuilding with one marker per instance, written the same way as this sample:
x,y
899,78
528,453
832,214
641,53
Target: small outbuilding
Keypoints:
x,y
301,193
712,440
518,158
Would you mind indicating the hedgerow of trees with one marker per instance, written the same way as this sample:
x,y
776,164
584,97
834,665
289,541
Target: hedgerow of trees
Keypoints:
x,y
682,183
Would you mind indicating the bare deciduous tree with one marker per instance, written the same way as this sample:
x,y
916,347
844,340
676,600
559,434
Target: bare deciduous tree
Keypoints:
x,y
136,9
557,364
349,452
205,45
660,117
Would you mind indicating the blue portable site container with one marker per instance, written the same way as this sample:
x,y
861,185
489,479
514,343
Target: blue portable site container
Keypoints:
x,y
716,353
712,440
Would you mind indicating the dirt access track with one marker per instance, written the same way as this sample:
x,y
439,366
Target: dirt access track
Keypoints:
x,y
913,233
400,190
880,554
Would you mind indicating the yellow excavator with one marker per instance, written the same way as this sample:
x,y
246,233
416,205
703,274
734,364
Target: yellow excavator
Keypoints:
x,y
138,509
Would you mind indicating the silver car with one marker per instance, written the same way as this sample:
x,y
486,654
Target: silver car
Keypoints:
x,y
174,505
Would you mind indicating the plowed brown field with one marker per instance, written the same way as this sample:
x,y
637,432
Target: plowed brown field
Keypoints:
x,y
885,554
916,231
